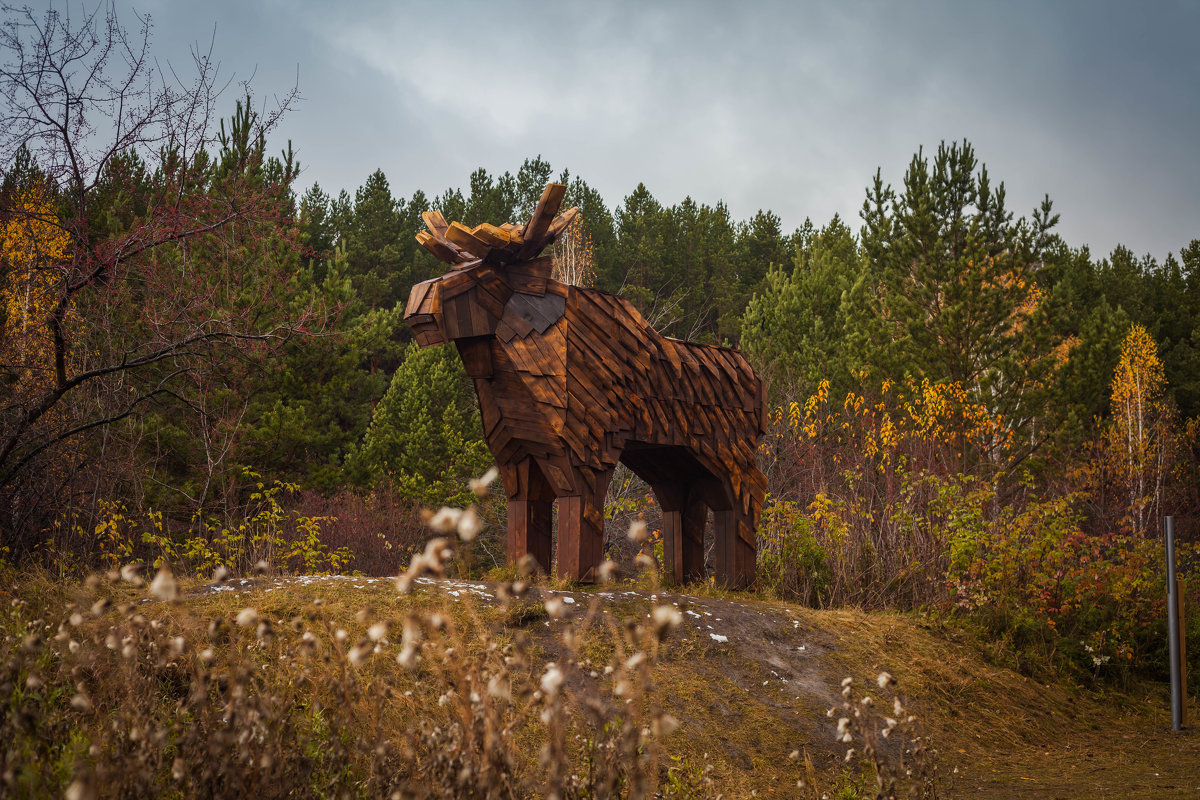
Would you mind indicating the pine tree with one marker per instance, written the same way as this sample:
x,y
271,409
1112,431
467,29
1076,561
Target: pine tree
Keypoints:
x,y
376,245
956,288
425,434
796,326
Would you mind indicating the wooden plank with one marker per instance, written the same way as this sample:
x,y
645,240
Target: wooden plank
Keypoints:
x,y
513,319
560,223
435,222
476,355
438,247
455,283
530,528
540,312
491,235
428,338
572,432
492,304
668,348
460,235
543,214
462,311
526,283
482,323
416,296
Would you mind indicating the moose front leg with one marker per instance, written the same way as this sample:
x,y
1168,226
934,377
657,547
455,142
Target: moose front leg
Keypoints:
x,y
530,516
581,527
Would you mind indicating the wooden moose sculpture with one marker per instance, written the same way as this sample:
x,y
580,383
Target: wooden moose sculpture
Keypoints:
x,y
572,381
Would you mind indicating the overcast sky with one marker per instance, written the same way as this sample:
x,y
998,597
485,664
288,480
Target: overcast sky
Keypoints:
x,y
788,106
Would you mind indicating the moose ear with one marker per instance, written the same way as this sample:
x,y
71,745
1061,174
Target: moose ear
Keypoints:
x,y
525,313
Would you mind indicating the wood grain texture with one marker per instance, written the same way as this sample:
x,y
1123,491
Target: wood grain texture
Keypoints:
x,y
572,381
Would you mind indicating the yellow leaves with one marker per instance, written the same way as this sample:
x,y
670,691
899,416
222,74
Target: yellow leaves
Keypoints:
x,y
942,415
1139,376
33,248
1141,437
810,406
33,245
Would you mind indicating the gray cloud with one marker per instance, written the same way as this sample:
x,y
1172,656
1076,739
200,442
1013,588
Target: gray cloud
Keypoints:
x,y
787,106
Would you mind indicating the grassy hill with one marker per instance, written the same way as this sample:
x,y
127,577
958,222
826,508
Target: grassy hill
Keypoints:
x,y
336,686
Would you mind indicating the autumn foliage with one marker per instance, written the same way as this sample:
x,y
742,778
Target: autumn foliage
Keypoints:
x,y
896,501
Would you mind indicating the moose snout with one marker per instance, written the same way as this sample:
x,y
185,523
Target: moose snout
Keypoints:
x,y
421,314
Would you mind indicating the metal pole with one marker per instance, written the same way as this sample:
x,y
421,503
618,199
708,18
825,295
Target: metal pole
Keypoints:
x,y
1173,630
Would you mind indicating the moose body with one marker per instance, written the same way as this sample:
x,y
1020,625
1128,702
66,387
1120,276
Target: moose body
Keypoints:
x,y
572,381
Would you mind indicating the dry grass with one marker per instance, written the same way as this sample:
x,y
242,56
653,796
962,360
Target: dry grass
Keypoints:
x,y
306,697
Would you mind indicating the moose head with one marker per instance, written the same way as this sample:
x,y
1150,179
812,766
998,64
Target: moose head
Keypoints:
x,y
495,271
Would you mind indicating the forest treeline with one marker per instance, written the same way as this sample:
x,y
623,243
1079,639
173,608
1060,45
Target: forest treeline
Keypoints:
x,y
967,411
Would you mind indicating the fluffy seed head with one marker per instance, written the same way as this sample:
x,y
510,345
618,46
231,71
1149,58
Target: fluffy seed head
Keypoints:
x,y
358,654
666,618
445,520
132,573
437,552
408,656
665,726
483,483
638,532
498,688
552,680
555,608
164,586
469,524
527,566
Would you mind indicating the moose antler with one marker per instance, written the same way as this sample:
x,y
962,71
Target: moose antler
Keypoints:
x,y
456,244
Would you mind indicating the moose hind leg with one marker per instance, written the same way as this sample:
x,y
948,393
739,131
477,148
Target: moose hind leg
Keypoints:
x,y
684,515
735,548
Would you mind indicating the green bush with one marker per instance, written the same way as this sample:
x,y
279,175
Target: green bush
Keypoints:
x,y
792,562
